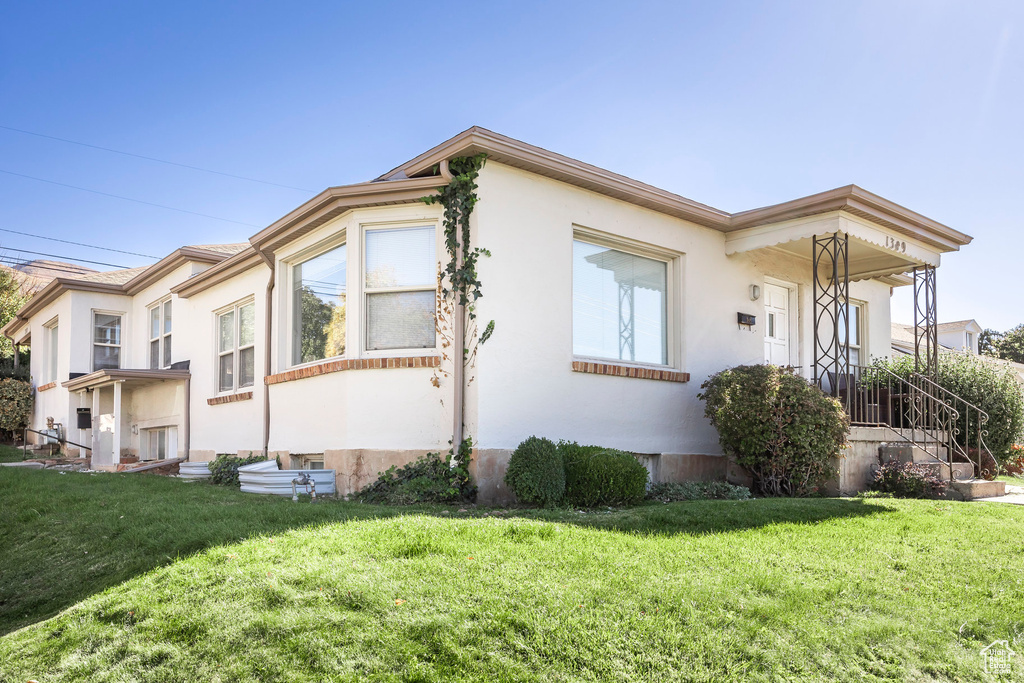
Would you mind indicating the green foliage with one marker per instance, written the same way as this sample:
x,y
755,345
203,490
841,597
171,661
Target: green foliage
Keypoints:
x,y
602,476
11,301
907,480
996,390
429,479
224,468
1010,345
697,490
536,474
15,404
780,428
458,198
988,342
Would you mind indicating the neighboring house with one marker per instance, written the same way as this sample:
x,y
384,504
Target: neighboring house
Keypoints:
x,y
959,336
612,301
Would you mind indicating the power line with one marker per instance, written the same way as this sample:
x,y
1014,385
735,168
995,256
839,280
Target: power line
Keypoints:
x,y
67,258
78,244
159,161
12,262
129,199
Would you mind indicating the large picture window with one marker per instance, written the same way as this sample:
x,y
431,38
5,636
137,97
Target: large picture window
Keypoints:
x,y
236,353
400,286
319,306
106,346
160,335
619,305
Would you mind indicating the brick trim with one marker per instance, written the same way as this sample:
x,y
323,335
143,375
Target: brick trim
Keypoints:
x,y
47,386
630,371
230,398
354,364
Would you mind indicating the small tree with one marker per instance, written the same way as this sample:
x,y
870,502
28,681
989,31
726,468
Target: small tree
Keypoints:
x,y
988,342
11,301
1010,345
15,404
781,429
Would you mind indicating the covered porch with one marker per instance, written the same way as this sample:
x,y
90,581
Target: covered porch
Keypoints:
x,y
132,415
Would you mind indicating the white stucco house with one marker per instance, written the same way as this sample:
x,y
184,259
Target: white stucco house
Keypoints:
x,y
612,300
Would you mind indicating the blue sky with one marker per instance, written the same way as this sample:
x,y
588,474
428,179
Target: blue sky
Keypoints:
x,y
733,104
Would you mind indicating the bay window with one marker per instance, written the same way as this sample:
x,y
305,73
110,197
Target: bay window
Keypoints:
x,y
400,287
319,306
236,352
106,347
619,305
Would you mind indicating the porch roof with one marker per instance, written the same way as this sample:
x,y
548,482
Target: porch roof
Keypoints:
x,y
131,378
874,251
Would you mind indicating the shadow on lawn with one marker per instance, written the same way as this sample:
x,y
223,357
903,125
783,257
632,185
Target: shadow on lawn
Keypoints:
x,y
68,536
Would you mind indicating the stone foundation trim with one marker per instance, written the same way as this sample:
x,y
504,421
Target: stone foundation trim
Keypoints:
x,y
630,371
230,398
354,364
48,385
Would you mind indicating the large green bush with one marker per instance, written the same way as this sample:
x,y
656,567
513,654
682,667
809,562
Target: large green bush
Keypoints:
x,y
15,404
601,476
536,473
780,428
993,388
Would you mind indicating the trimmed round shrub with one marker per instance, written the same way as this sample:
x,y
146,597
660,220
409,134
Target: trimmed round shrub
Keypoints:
x,y
602,476
536,473
784,431
15,404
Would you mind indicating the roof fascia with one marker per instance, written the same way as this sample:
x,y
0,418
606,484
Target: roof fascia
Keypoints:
x,y
167,264
223,271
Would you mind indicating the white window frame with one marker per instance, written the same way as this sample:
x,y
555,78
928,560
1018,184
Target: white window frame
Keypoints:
x,y
162,334
170,442
94,343
52,344
364,291
673,295
970,341
862,331
333,242
236,349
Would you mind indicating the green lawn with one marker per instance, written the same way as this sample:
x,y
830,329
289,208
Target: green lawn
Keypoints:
x,y
162,580
11,453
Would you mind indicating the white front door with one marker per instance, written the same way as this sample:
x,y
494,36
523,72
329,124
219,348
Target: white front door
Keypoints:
x,y
776,325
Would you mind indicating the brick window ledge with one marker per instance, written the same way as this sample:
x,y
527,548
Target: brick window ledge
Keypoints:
x,y
630,371
354,364
230,398
47,386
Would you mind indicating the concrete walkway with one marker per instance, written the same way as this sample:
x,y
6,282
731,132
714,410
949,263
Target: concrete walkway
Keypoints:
x,y
1014,496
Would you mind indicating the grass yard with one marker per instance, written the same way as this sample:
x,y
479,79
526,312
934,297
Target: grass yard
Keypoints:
x,y
10,453
162,580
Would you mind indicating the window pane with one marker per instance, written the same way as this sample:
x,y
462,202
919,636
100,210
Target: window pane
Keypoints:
x,y
154,322
53,353
161,444
226,333
619,305
318,307
400,320
246,367
154,353
167,350
108,329
401,258
247,324
106,357
226,374
167,317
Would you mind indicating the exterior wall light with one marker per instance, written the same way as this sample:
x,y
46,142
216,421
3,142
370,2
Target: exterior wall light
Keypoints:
x,y
755,292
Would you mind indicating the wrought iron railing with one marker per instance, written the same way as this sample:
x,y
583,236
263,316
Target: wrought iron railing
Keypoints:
x,y
968,431
916,409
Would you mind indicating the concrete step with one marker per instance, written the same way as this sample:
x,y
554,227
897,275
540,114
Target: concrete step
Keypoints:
x,y
907,452
961,470
973,489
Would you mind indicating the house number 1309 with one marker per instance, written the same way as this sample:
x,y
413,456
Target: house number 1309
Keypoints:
x,y
895,244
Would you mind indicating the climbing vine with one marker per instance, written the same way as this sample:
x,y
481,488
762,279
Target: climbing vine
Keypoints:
x,y
458,198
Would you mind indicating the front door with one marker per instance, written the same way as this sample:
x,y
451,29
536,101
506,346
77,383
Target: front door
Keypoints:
x,y
776,325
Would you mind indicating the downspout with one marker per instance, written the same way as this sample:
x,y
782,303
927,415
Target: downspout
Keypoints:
x,y
458,343
267,338
188,417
